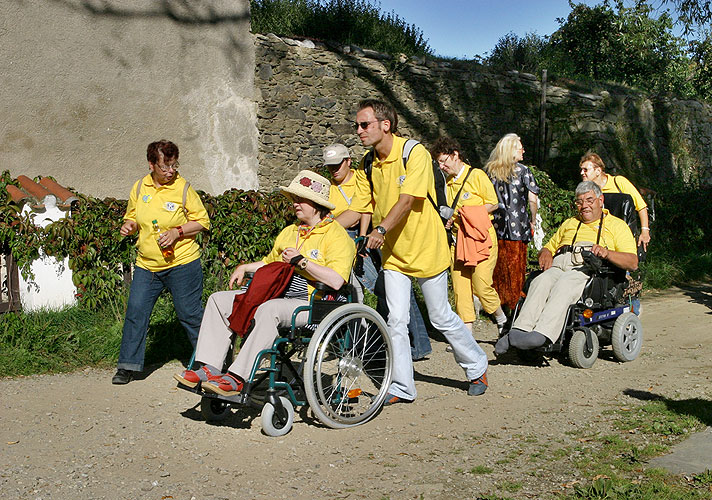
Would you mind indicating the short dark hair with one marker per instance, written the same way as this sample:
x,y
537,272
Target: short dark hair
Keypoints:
x,y
164,148
445,146
382,110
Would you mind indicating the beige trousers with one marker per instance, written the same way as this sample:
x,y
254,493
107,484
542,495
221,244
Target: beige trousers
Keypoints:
x,y
550,295
215,334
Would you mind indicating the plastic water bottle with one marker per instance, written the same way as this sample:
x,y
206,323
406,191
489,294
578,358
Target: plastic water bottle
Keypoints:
x,y
166,251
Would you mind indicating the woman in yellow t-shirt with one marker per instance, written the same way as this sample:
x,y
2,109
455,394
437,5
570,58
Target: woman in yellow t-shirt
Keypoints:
x,y
319,249
167,214
593,169
469,186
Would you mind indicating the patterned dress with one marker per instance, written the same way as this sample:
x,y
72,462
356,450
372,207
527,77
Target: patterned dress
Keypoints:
x,y
512,224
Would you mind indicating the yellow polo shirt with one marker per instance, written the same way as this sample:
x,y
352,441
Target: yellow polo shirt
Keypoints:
x,y
625,187
615,234
477,191
329,246
339,196
164,204
417,245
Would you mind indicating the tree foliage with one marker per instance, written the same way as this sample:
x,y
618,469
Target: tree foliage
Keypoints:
x,y
357,22
611,42
515,53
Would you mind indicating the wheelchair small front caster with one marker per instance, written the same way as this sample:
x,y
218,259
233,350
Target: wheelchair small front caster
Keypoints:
x,y
277,423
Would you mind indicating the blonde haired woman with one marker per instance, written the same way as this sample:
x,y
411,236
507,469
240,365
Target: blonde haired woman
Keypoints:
x,y
516,188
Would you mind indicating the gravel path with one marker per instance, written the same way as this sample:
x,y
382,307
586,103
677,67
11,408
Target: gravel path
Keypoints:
x,y
75,436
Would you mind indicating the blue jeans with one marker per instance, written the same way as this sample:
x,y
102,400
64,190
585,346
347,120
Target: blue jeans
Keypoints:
x,y
185,282
369,276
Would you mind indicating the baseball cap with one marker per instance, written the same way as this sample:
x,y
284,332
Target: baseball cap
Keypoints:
x,y
335,154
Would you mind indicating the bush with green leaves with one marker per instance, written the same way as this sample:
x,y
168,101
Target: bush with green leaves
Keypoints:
x,y
243,227
355,22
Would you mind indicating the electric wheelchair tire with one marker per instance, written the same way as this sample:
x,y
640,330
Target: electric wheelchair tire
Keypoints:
x,y
349,366
627,337
578,354
214,410
272,424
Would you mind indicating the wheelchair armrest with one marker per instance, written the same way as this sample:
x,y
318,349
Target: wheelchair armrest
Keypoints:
x,y
318,285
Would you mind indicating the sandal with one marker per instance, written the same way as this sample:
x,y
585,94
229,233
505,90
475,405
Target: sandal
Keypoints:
x,y
226,385
190,378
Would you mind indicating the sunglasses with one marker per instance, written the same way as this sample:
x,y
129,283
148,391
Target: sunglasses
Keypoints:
x,y
363,125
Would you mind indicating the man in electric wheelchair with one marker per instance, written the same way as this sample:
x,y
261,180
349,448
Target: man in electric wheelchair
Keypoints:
x,y
576,251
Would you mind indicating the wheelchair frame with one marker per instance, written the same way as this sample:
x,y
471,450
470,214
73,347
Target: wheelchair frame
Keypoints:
x,y
346,368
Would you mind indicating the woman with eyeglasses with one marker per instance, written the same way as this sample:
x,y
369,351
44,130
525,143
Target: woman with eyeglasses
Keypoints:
x,y
516,189
167,213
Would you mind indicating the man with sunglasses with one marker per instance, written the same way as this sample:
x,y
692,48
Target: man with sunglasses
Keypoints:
x,y
543,313
337,159
408,230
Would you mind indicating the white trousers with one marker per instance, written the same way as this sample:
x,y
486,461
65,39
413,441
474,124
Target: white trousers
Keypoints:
x,y
467,353
214,338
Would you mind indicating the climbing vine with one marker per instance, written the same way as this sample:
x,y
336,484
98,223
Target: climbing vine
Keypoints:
x,y
243,227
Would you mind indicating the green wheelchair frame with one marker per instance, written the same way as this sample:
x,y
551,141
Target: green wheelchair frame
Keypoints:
x,y
346,366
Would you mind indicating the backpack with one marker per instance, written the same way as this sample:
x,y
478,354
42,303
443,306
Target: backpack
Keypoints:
x,y
438,175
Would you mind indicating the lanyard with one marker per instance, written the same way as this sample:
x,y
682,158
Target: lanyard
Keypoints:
x,y
598,237
348,200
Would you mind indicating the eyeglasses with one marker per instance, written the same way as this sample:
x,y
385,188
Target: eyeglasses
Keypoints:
x,y
364,125
587,201
166,168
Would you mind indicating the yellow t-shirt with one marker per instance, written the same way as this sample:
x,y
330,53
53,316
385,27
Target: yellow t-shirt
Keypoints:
x,y
338,198
615,234
417,245
164,204
625,187
477,191
329,246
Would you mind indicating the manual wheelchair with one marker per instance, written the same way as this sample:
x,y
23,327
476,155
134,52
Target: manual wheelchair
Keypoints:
x,y
339,364
605,314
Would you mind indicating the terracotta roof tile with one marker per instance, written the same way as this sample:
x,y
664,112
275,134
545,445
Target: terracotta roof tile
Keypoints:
x,y
36,193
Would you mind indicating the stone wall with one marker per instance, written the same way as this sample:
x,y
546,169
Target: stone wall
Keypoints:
x,y
308,92
86,85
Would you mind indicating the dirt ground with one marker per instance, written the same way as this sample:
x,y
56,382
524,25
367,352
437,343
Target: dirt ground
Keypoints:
x,y
76,436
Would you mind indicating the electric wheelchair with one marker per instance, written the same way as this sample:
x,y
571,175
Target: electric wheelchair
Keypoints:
x,y
605,314
339,364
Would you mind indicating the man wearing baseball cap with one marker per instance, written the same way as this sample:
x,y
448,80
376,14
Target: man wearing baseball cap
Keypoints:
x,y
337,159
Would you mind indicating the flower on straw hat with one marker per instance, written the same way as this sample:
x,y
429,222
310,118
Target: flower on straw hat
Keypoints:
x,y
311,186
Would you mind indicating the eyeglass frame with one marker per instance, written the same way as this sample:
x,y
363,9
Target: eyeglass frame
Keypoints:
x,y
358,125
166,168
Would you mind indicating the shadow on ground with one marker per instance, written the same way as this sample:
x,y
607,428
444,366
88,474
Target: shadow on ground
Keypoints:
x,y
700,409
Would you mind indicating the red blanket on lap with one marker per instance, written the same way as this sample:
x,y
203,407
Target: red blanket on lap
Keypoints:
x,y
269,282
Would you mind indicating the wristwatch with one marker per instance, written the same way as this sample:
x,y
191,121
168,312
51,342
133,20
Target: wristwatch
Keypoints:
x,y
381,230
303,264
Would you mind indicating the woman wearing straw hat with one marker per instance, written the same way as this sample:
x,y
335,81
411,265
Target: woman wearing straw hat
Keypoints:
x,y
319,249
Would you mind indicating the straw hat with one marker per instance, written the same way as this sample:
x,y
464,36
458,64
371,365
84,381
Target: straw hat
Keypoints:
x,y
309,185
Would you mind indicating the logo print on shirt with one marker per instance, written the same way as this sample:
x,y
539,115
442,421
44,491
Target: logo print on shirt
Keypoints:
x,y
401,180
146,198
466,196
170,206
314,254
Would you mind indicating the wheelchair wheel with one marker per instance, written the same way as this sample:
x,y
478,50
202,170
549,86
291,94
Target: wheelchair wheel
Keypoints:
x,y
214,410
348,367
275,425
579,355
627,337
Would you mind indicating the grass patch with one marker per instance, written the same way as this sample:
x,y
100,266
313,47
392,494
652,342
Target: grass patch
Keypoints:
x,y
76,337
481,469
615,462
